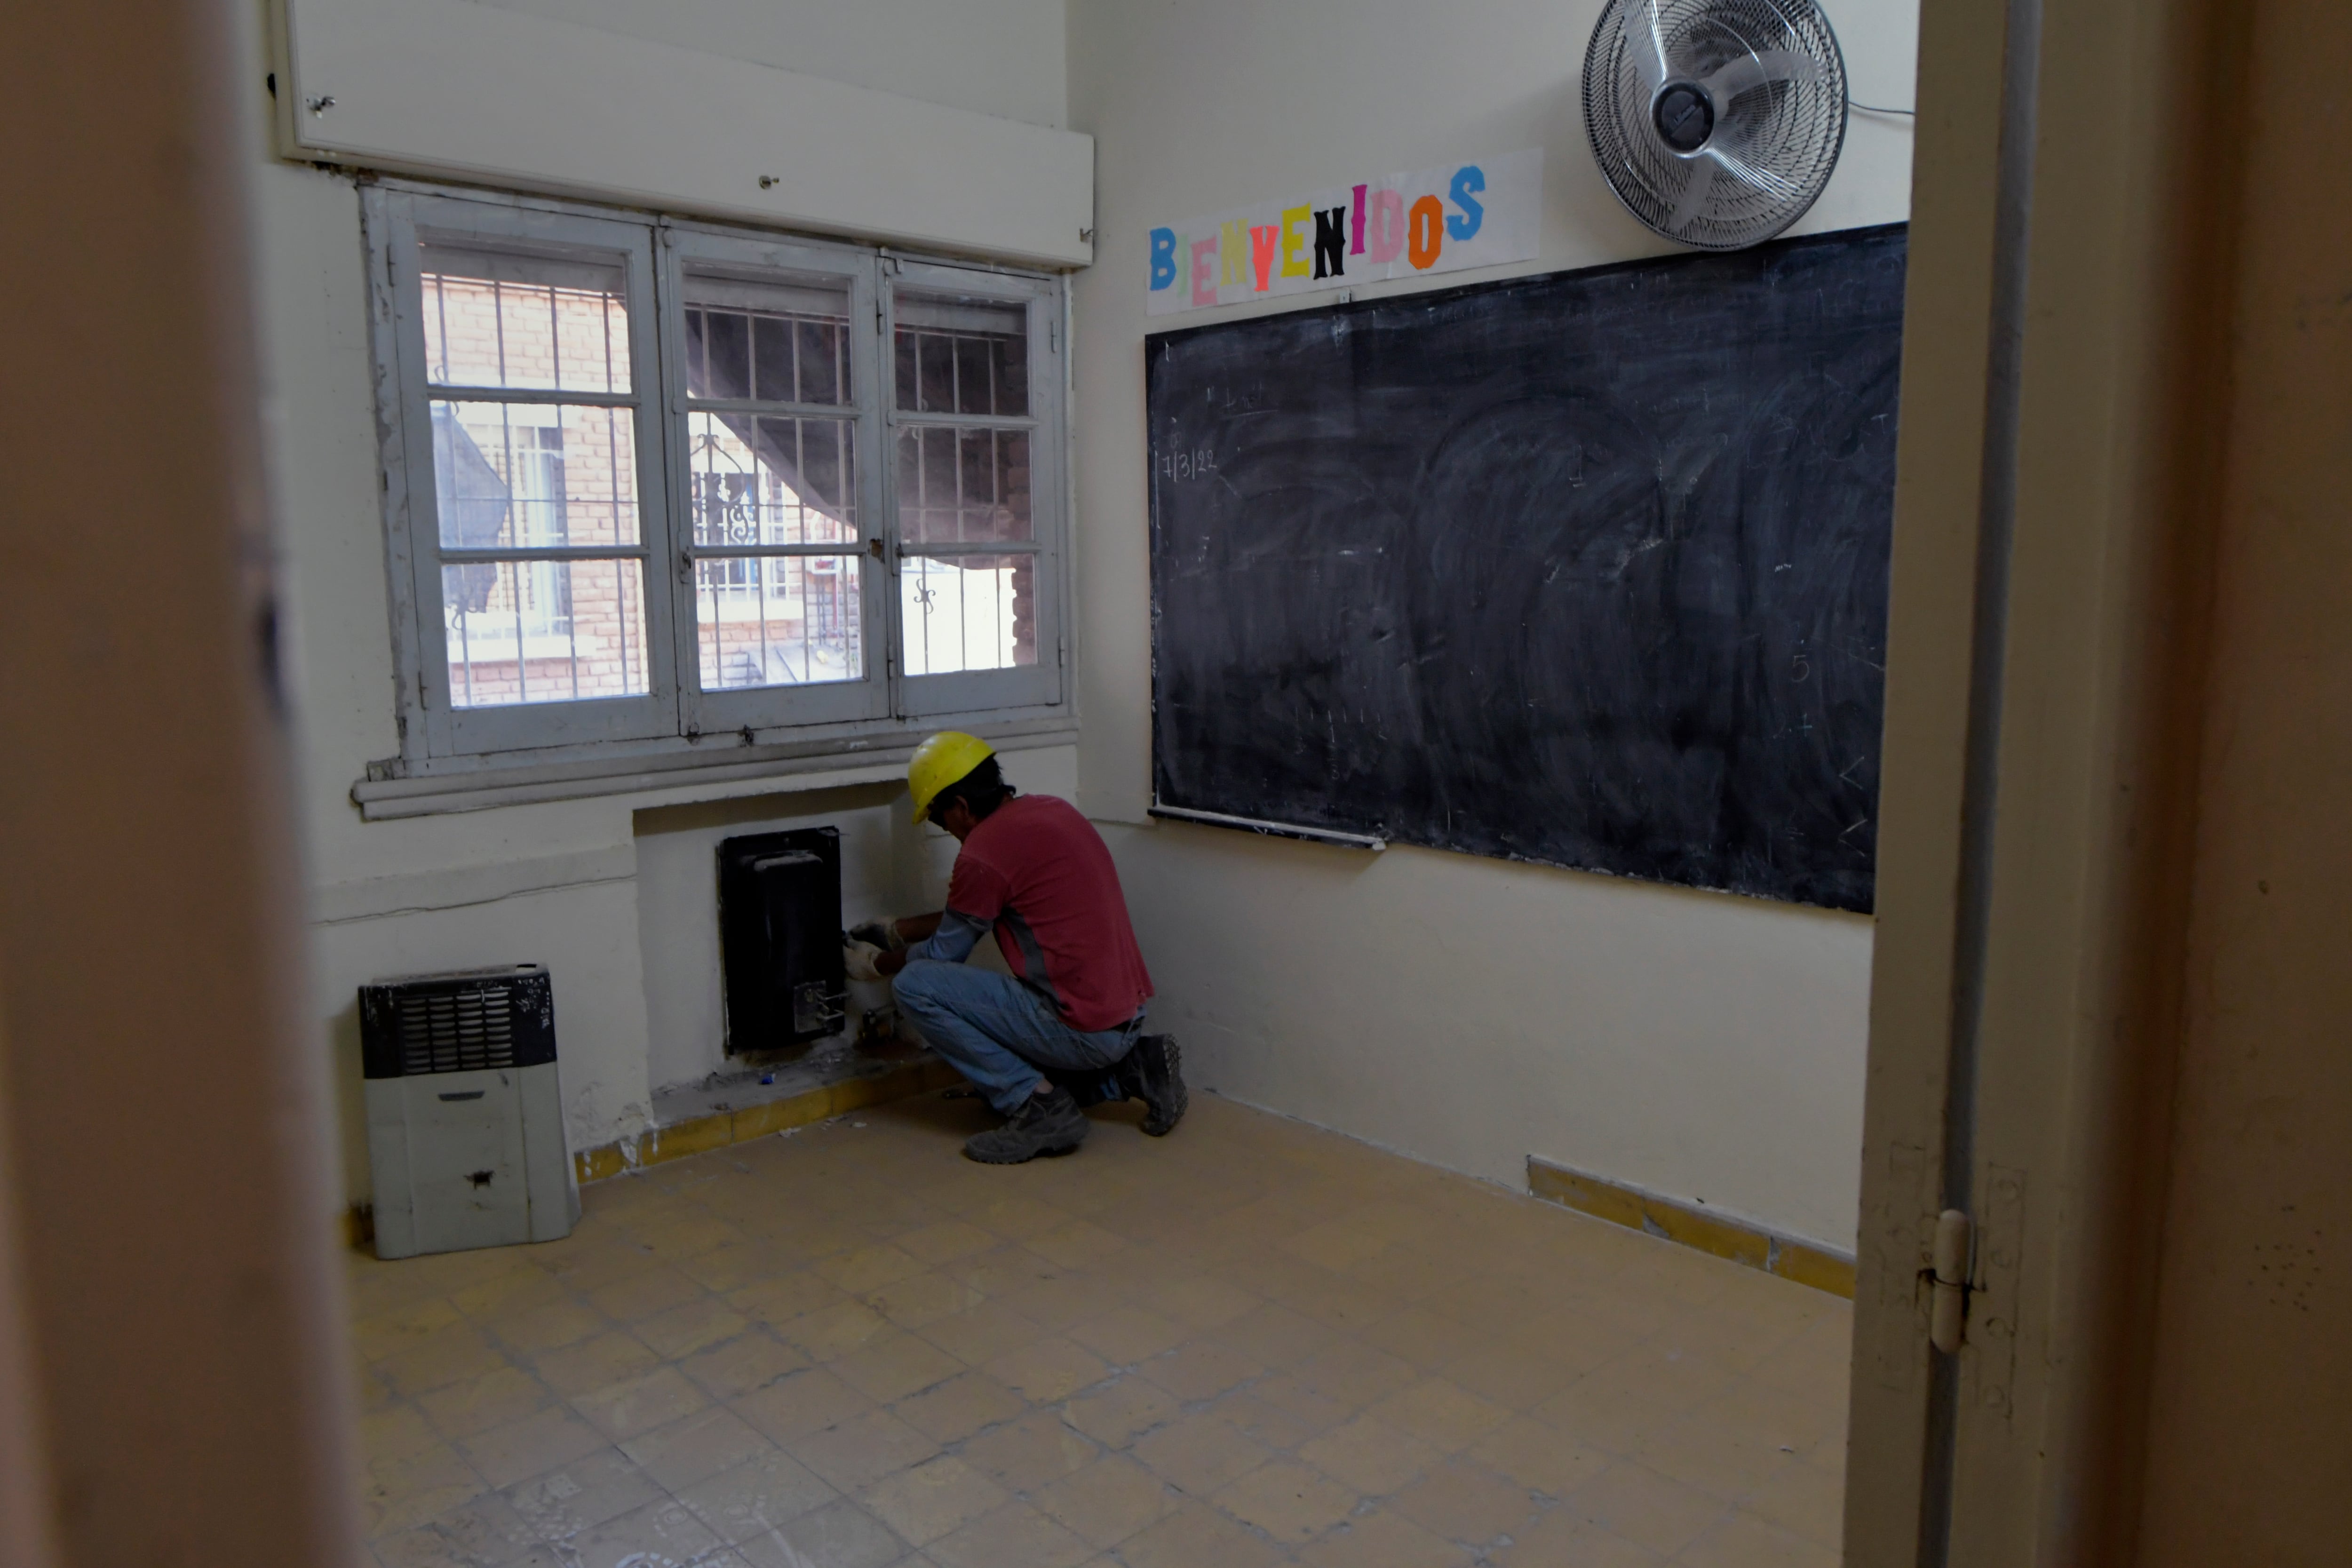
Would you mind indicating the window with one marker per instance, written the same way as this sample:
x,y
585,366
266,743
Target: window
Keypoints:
x,y
653,486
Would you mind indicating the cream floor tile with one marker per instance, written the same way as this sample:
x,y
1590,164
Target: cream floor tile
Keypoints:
x,y
582,1494
931,1499
856,1453
445,1356
1381,1539
1467,1504
1024,1454
1291,1501
1251,1343
476,1405
1048,1370
664,1530
689,1327
401,1495
1647,1508
485,1533
1015,1536
623,1410
1541,1458
1371,1456
757,1497
546,1328
1805,1500
612,1357
800,1402
1108,1501
968,1403
1118,1412
749,1360
534,1445
1561,1538
1745,1541
696,1447
1441,1414
892,1366
1197,1536
1200,1369
1201,1453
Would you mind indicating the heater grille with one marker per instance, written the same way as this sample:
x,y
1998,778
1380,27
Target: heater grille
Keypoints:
x,y
457,1031
482,1019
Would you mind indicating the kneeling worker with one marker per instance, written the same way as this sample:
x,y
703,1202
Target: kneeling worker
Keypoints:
x,y
1038,872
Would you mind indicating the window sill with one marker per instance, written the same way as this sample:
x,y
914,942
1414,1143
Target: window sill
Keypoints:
x,y
431,788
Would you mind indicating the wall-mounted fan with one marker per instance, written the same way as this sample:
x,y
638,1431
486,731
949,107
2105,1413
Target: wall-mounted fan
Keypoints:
x,y
1716,121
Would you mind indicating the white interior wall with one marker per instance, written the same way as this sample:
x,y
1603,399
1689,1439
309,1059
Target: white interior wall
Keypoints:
x,y
1004,58
1466,1011
556,883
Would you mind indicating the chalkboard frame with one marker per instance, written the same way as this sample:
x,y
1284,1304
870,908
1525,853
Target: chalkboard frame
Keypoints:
x,y
1846,877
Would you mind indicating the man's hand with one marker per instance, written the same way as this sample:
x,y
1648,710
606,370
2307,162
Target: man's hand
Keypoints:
x,y
882,933
858,958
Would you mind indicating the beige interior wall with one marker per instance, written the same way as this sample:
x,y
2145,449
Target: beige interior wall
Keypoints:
x,y
2249,1428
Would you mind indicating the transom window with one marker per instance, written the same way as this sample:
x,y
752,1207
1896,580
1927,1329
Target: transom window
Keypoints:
x,y
652,483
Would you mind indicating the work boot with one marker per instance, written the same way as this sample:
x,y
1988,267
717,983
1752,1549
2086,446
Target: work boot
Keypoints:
x,y
1048,1123
1153,1072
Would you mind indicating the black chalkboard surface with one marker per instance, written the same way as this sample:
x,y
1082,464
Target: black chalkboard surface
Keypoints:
x,y
1587,569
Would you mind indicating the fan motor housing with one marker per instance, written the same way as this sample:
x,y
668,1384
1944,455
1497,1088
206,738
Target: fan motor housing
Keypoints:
x,y
1685,116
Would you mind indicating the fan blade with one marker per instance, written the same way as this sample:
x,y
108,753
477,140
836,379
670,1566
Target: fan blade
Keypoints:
x,y
1748,174
1753,70
1702,178
1649,64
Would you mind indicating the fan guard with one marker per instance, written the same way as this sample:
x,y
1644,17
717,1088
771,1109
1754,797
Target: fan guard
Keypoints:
x,y
1716,122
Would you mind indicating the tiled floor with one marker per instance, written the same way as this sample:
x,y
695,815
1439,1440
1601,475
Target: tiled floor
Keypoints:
x,y
1248,1343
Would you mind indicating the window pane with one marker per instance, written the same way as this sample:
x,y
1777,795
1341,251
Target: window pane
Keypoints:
x,y
497,319
544,631
761,480
530,475
961,356
968,612
772,342
958,486
779,620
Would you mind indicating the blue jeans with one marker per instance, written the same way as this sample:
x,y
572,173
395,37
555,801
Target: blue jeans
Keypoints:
x,y
1000,1033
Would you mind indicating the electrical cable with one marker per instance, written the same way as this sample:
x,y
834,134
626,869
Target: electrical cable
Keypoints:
x,y
1874,109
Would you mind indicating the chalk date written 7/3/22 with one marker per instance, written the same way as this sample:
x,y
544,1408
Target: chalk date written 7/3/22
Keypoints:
x,y
1196,464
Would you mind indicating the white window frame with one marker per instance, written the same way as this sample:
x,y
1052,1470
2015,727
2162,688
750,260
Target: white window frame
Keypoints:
x,y
456,758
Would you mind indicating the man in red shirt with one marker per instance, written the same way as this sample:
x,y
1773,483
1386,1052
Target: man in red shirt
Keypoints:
x,y
1037,872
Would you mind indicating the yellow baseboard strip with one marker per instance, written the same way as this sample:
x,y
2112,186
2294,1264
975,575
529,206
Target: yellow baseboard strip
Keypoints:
x,y
717,1130
1798,1261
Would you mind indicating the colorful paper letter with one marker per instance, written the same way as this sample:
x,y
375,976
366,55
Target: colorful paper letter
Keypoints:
x,y
1388,225
1355,224
1468,178
1427,232
1294,240
1205,270
1261,240
1331,242
1233,253
1163,258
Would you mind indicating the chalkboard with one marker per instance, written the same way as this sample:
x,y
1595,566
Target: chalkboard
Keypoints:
x,y
1587,569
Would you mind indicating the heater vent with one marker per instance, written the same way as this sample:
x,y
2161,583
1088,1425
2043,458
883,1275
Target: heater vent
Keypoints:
x,y
470,1021
455,1031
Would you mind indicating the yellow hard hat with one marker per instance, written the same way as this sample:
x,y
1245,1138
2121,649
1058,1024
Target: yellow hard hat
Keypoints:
x,y
938,762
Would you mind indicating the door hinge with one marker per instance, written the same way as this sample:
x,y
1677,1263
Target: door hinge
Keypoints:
x,y
1947,1314
1053,337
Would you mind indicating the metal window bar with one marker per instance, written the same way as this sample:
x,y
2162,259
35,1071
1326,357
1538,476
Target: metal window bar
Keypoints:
x,y
526,588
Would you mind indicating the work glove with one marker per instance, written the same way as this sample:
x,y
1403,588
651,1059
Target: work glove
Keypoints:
x,y
882,933
857,958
